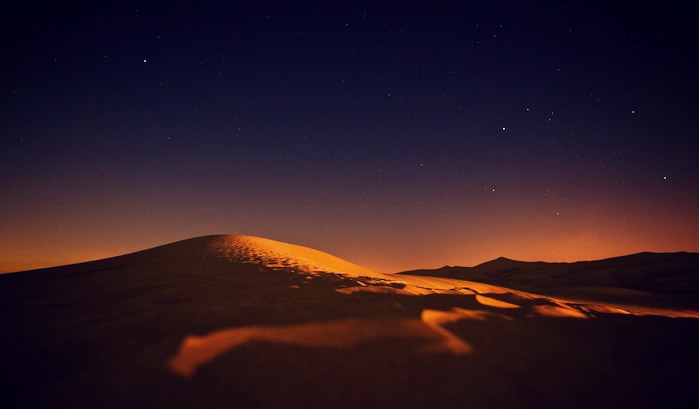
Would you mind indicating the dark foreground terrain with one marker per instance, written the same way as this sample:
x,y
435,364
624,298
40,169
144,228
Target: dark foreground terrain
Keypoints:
x,y
221,321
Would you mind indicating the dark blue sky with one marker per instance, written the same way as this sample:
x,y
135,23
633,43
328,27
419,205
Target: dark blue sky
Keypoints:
x,y
399,135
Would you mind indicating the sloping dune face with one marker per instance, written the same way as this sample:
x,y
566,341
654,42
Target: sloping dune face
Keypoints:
x,y
271,253
277,254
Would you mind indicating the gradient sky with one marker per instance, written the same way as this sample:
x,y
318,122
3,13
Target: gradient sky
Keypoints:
x,y
396,135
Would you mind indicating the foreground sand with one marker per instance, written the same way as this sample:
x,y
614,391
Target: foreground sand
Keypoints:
x,y
229,321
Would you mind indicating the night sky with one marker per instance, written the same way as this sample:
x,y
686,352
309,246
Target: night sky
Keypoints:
x,y
396,135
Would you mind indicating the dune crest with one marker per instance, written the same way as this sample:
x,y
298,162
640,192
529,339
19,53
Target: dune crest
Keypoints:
x,y
277,254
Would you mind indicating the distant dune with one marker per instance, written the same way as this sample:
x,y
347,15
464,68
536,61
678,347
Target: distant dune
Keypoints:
x,y
661,279
239,321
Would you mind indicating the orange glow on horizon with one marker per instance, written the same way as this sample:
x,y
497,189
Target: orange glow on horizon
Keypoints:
x,y
413,238
404,255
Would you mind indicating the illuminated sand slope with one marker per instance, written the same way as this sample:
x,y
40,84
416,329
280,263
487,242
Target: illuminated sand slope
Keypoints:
x,y
276,254
231,321
271,253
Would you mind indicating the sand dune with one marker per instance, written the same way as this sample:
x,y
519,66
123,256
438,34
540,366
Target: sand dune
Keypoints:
x,y
660,282
221,321
657,273
271,253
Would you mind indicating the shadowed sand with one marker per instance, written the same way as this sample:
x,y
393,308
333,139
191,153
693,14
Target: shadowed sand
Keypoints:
x,y
238,321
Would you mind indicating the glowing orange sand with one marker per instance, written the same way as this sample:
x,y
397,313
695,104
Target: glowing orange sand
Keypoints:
x,y
196,351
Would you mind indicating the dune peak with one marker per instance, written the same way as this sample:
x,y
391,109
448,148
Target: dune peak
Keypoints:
x,y
277,254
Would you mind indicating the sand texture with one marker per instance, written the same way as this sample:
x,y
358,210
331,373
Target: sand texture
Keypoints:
x,y
239,321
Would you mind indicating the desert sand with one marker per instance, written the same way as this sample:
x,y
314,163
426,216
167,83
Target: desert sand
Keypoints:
x,y
239,321
655,283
